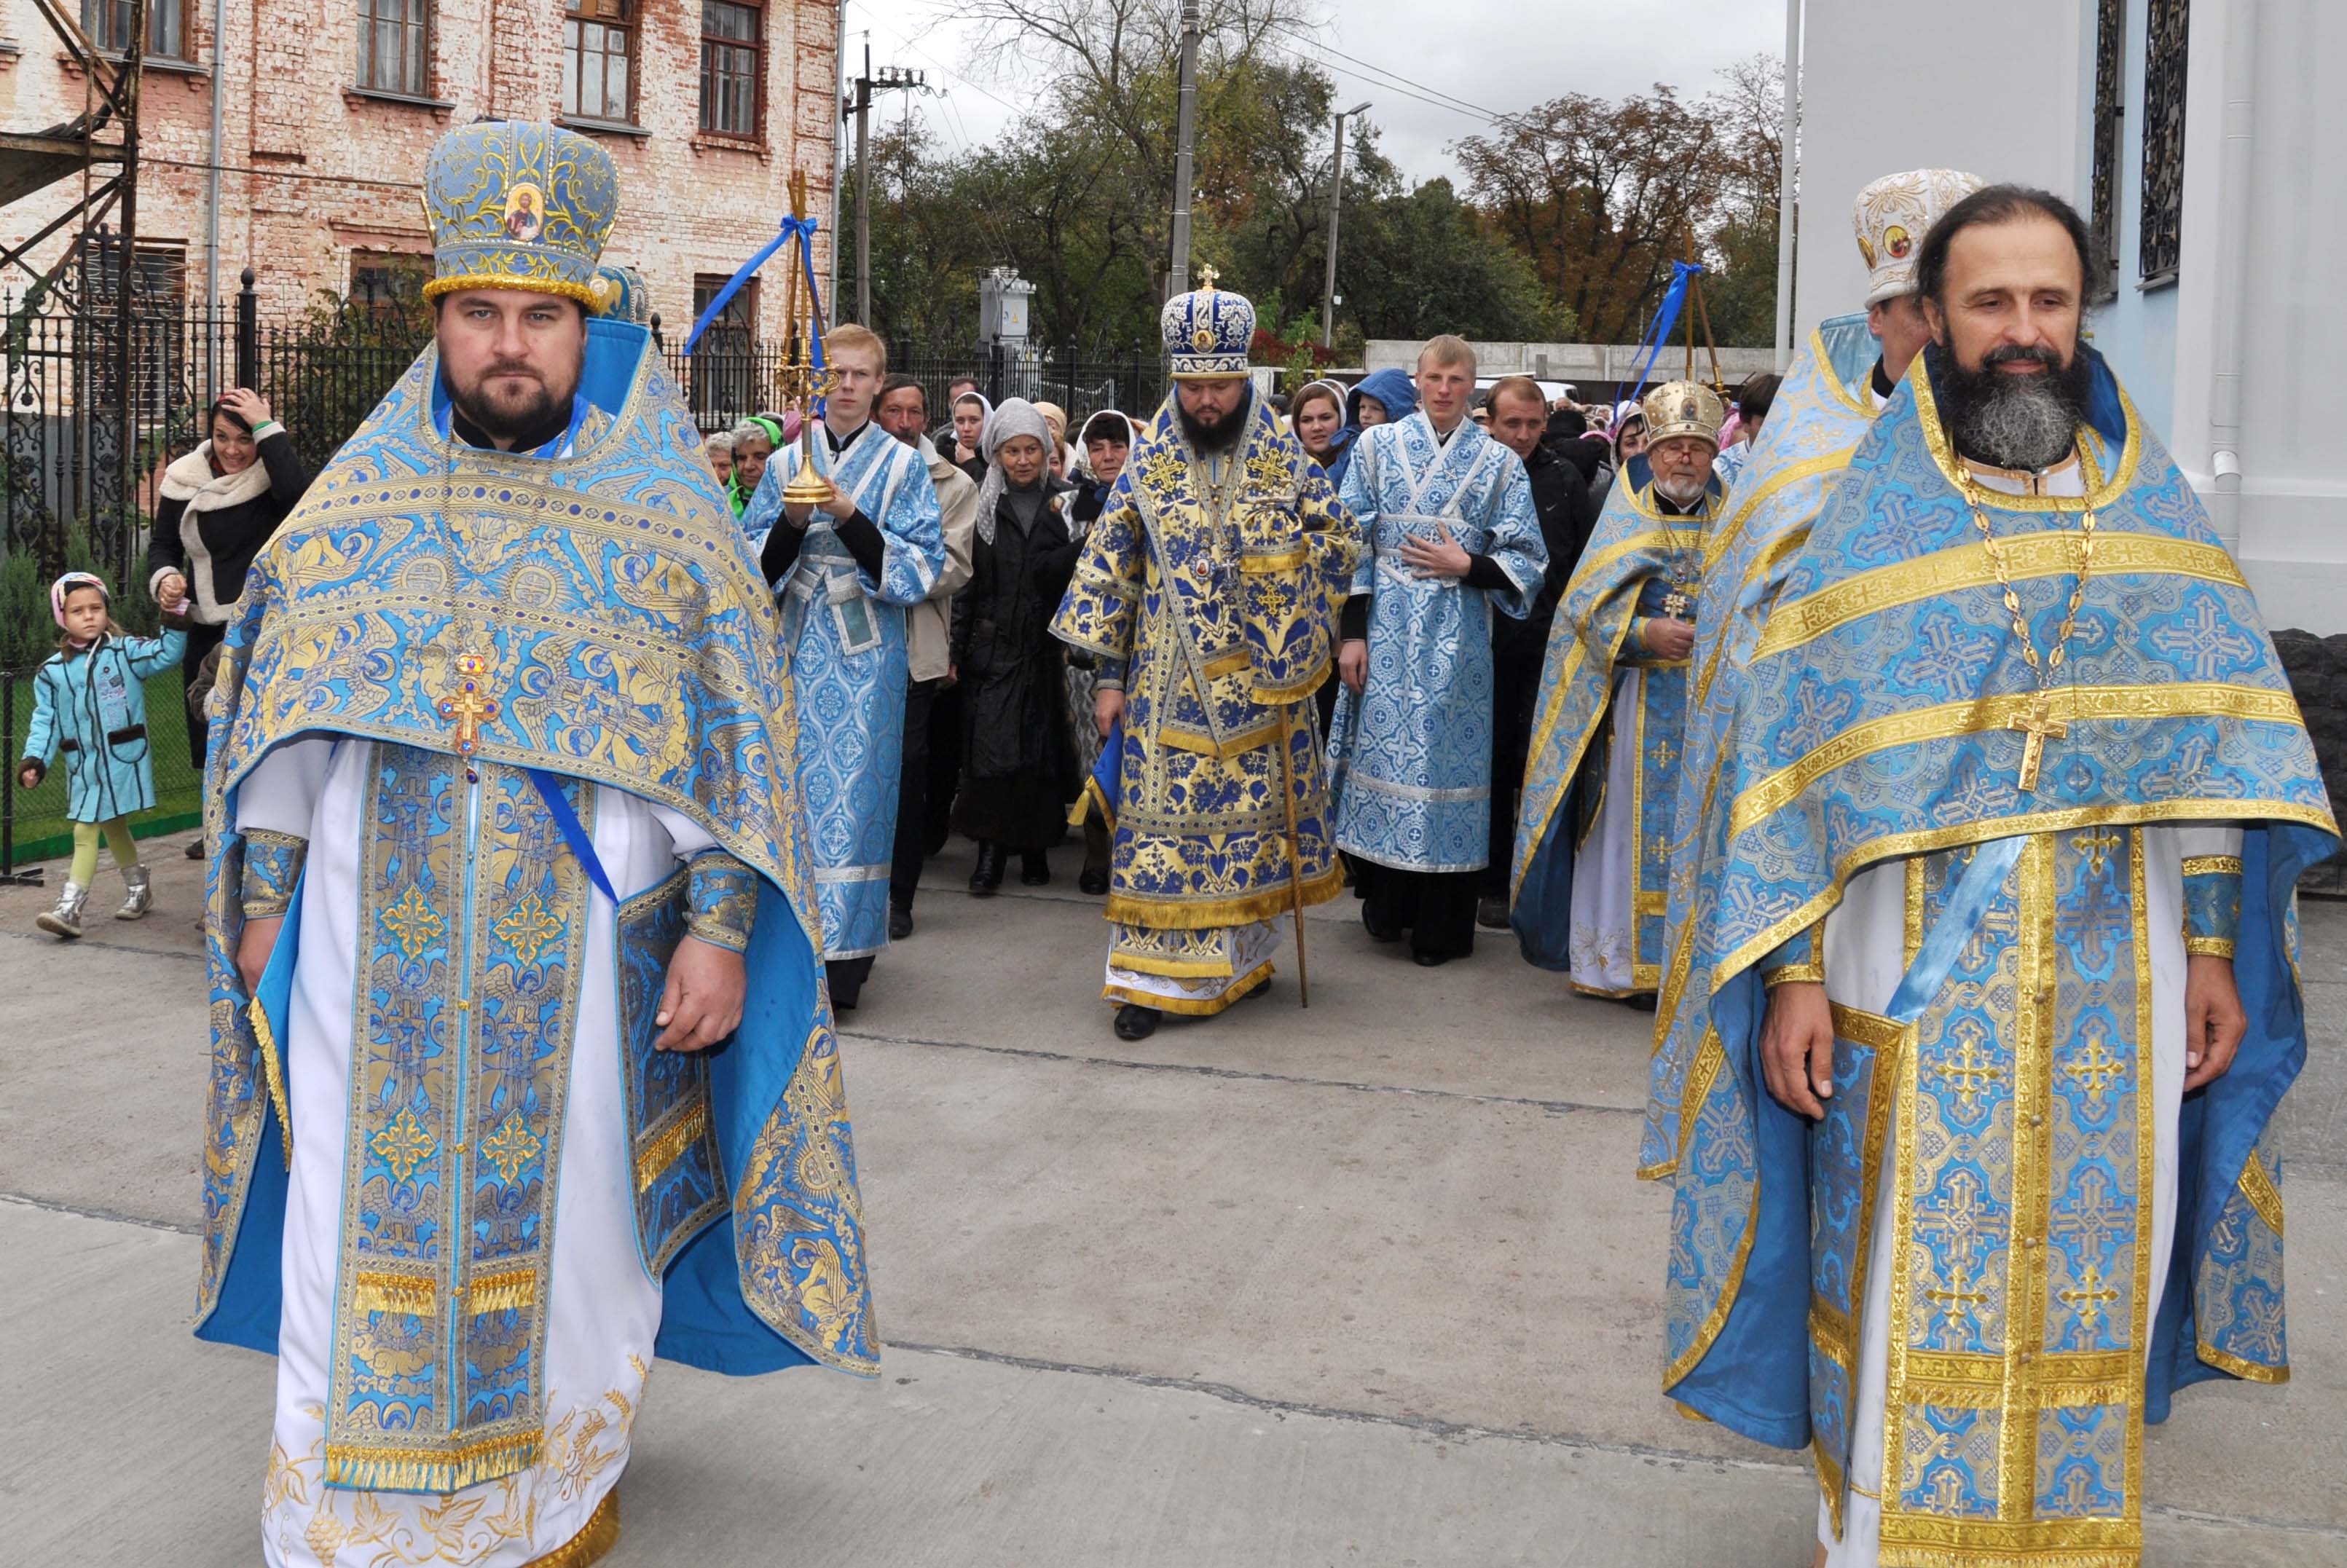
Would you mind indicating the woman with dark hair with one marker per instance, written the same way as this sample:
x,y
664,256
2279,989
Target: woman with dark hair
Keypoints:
x,y
220,503
1318,417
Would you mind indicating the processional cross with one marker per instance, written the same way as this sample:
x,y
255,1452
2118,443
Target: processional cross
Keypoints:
x,y
2041,726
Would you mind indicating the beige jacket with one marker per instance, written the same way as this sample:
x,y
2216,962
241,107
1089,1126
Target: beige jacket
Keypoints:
x,y
929,625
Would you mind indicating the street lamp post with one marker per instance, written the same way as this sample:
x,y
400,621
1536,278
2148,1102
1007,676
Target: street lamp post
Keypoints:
x,y
1336,204
1186,122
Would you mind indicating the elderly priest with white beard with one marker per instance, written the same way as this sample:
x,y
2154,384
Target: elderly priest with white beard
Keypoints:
x,y
1975,1170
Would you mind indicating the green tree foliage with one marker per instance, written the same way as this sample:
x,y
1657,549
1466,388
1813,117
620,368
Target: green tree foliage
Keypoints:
x,y
1573,216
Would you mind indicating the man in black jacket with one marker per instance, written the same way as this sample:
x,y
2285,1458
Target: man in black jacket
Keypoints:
x,y
1561,497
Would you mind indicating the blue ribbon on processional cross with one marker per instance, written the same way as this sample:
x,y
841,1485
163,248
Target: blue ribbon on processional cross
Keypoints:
x,y
804,229
1667,316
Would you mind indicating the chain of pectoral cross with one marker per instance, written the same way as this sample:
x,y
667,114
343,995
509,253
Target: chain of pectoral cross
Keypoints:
x,y
2038,724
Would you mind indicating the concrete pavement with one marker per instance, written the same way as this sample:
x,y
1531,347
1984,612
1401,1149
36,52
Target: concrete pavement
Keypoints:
x,y
1367,1283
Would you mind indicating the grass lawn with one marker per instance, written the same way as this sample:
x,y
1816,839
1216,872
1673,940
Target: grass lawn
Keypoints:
x,y
41,829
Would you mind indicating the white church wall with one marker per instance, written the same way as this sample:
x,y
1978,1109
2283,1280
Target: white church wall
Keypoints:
x,y
1991,87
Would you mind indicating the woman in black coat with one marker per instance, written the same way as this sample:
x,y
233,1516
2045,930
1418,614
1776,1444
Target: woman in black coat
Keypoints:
x,y
220,503
1018,759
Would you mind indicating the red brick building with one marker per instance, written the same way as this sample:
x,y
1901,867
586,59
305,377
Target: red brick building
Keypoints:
x,y
328,106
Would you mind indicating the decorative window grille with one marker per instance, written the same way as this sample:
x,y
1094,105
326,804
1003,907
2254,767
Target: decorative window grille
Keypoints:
x,y
2162,224
2110,56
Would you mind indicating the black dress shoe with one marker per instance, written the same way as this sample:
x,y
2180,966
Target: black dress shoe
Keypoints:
x,y
1429,961
1092,882
900,922
196,850
1491,913
1034,868
988,875
1135,1022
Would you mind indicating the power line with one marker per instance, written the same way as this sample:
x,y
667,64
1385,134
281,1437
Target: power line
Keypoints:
x,y
1394,79
1382,85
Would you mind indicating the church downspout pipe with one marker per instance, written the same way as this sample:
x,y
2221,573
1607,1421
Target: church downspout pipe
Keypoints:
x,y
1789,184
212,157
2232,220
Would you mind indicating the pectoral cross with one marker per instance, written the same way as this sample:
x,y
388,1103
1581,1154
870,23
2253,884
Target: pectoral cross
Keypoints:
x,y
2041,727
470,702
1677,604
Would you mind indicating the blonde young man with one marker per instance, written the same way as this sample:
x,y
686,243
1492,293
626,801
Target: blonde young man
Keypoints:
x,y
845,573
1453,541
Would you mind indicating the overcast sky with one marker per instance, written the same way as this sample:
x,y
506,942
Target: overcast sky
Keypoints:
x,y
1499,56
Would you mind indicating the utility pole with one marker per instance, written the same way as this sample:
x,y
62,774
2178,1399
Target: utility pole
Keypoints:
x,y
892,78
1177,276
1336,205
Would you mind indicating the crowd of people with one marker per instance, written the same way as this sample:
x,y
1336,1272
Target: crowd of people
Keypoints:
x,y
1897,733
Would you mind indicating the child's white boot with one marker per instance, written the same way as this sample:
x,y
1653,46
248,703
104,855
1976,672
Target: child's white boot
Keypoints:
x,y
64,920
142,894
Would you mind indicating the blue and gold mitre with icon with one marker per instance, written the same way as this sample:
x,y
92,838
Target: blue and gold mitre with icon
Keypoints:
x,y
623,294
1682,408
517,204
1207,331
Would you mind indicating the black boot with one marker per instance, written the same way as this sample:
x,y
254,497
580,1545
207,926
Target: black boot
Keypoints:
x,y
1135,1022
1035,867
988,875
901,921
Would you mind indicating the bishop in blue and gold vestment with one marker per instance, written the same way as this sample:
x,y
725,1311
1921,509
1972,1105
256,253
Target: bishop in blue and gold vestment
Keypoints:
x,y
2015,799
1208,587
502,749
1589,882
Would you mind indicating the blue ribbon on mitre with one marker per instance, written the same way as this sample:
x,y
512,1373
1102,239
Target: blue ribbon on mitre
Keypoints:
x,y
801,229
1667,316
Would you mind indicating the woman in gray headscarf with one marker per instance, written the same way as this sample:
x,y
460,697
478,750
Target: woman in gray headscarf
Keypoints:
x,y
1018,762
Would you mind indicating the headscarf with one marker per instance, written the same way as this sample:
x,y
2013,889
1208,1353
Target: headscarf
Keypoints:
x,y
66,585
1336,441
1015,418
985,417
1622,417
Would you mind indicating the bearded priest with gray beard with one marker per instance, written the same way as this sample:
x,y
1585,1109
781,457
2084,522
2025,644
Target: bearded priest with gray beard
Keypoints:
x,y
1974,1168
1594,826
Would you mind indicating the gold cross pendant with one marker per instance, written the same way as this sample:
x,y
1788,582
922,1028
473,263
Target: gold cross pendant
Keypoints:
x,y
2041,727
470,702
1675,605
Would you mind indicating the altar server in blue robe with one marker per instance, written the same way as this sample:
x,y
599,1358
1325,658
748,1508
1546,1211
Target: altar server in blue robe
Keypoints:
x,y
1974,1167
1450,539
505,838
846,571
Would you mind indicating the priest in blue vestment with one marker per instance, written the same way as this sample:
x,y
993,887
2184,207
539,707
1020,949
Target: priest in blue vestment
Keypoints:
x,y
1452,538
1596,821
1841,378
521,1073
1973,1165
845,573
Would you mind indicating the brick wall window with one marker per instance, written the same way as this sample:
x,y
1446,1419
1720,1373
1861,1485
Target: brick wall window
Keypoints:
x,y
394,41
732,61
726,383
387,283
108,23
599,49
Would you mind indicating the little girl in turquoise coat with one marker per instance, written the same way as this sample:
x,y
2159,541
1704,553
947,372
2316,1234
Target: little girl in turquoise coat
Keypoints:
x,y
89,701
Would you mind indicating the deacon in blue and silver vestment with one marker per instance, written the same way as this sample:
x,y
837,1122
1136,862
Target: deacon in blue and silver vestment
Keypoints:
x,y
1607,731
846,575
1451,539
2013,890
503,822
1842,377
